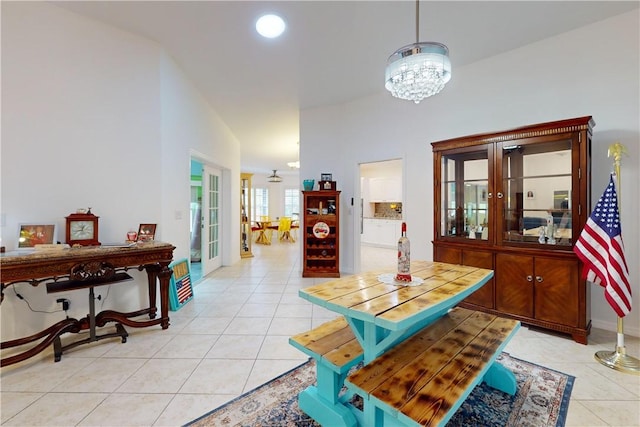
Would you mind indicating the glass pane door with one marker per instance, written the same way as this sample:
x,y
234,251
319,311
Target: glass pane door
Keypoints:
x,y
536,189
465,194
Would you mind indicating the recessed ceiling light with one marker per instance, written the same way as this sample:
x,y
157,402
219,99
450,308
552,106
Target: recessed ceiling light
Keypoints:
x,y
270,26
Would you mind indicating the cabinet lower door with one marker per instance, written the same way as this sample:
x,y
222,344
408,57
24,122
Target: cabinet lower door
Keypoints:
x,y
514,284
484,296
556,291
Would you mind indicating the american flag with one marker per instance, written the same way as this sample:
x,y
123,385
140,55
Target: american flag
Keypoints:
x,y
183,287
601,250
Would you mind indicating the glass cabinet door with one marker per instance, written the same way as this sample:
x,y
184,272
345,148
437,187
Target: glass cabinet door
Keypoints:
x,y
465,193
535,195
245,215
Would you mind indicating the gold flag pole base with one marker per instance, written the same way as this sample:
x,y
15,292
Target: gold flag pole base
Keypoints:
x,y
619,360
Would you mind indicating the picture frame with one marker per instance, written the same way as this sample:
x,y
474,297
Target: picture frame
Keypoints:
x,y
32,234
326,177
531,195
146,232
180,289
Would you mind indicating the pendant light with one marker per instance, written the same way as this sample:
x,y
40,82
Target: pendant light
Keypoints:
x,y
418,70
274,178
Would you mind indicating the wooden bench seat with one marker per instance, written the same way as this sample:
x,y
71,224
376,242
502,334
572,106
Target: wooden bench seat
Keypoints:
x,y
425,379
336,350
332,344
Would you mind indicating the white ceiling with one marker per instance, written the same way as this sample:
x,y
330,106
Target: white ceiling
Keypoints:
x,y
331,52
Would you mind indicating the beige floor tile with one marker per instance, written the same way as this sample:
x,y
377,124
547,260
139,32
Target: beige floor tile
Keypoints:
x,y
141,344
615,412
264,298
53,409
190,407
14,402
187,346
207,325
101,376
42,376
579,415
278,347
160,376
218,376
258,310
265,370
126,409
248,326
221,309
289,326
294,310
236,347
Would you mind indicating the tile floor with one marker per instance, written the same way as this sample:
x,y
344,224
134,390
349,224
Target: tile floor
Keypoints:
x,y
233,337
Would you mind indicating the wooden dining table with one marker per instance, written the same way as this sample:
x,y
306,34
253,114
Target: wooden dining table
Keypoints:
x,y
264,232
382,312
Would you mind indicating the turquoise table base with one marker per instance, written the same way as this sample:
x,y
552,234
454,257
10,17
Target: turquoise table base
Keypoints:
x,y
325,412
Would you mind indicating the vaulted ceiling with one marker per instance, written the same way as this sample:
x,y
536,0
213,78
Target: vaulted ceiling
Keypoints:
x,y
331,52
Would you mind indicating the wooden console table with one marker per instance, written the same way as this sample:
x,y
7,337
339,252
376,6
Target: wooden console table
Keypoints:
x,y
81,268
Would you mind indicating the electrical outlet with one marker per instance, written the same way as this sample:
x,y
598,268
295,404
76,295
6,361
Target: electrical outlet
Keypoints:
x,y
65,303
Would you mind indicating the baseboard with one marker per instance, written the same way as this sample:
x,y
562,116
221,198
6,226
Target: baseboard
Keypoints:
x,y
613,327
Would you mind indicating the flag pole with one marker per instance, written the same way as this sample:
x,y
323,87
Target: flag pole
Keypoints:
x,y
618,359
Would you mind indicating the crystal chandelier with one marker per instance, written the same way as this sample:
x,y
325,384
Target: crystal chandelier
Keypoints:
x,y
418,70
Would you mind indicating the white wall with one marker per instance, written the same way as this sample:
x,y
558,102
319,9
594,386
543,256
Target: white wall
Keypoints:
x,y
95,116
590,71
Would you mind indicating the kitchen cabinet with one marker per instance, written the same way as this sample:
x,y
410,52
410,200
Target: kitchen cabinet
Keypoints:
x,y
381,232
516,201
385,189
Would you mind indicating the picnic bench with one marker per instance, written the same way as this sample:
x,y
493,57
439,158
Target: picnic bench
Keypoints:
x,y
335,349
424,380
421,356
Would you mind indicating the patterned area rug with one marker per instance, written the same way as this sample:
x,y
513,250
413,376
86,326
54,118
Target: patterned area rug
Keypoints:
x,y
542,399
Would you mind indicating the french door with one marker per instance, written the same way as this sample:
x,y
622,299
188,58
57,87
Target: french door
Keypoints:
x,y
211,220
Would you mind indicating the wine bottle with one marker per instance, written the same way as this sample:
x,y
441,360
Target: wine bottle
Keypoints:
x,y
404,257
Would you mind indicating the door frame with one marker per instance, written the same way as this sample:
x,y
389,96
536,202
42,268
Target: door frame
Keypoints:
x,y
359,208
225,221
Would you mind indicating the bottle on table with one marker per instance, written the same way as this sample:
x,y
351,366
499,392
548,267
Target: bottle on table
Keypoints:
x,y
404,256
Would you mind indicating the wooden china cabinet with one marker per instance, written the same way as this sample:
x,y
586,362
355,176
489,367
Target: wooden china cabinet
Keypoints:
x,y
320,230
515,201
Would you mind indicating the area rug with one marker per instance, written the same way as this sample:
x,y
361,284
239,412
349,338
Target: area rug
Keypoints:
x,y
542,400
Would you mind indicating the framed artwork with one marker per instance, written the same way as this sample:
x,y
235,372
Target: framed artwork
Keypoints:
x,y
31,235
180,290
325,177
146,232
531,195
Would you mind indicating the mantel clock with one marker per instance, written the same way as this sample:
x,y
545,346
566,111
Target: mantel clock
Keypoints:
x,y
82,229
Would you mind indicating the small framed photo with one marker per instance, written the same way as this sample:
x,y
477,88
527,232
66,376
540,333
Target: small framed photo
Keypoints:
x,y
146,232
325,177
31,235
531,195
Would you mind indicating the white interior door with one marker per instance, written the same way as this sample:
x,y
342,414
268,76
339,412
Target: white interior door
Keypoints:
x,y
211,220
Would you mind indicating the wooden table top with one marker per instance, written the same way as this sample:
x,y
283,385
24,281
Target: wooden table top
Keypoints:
x,y
396,306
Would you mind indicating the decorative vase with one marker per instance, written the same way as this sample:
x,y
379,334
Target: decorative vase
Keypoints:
x,y
308,184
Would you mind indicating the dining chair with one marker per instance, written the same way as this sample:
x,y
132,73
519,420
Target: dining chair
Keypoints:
x,y
284,229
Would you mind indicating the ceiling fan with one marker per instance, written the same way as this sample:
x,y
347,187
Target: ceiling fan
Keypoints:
x,y
274,178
